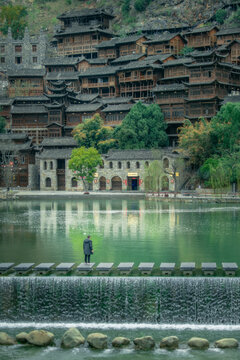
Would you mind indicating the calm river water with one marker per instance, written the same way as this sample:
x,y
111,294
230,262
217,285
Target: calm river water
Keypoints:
x,y
122,230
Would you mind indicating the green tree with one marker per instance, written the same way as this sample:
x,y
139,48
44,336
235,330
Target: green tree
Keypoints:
x,y
186,50
13,16
2,124
143,127
125,8
93,133
84,164
153,175
220,16
140,5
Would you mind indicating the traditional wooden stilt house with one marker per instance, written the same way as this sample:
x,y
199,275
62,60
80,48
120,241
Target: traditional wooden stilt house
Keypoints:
x,y
175,72
25,82
202,38
166,43
226,36
115,109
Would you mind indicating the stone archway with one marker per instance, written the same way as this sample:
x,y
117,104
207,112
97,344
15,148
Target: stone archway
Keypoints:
x,y
102,183
116,183
165,183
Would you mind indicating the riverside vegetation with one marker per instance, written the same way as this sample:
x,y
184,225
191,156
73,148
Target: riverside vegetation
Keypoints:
x,y
73,338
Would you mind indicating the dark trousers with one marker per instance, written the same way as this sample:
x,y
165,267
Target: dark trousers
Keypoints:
x,y
87,258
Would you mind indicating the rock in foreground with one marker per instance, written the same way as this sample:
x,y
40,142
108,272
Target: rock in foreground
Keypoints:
x,y
40,338
228,343
72,338
120,341
22,337
6,339
97,340
169,343
144,343
198,343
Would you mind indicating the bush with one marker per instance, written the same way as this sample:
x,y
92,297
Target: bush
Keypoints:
x,y
220,16
126,7
140,5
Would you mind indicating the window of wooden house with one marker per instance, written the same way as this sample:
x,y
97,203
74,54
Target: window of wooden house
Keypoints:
x,y
2,48
94,37
18,60
18,48
149,72
128,74
85,117
195,91
34,48
54,116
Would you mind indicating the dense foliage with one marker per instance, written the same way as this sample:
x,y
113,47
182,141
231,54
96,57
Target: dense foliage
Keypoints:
x,y
215,146
2,124
220,16
140,5
143,127
13,16
84,164
93,133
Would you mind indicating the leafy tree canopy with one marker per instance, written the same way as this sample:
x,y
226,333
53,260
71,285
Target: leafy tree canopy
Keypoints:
x,y
143,127
2,124
84,164
186,50
220,16
13,16
93,133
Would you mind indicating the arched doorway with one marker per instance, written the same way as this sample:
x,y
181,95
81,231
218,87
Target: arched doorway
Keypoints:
x,y
116,183
165,163
165,183
48,182
102,183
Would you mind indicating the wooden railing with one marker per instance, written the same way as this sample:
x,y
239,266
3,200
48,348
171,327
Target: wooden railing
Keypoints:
x,y
135,78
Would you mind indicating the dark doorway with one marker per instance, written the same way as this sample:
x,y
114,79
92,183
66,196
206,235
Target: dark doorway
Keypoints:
x,y
133,183
61,181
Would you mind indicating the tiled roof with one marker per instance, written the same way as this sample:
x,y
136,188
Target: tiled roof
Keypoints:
x,y
83,107
207,63
55,154
198,53
86,97
178,62
118,107
127,58
65,75
24,109
170,87
228,31
107,43
11,146
26,72
103,70
140,65
129,39
84,13
160,57
6,102
161,38
231,98
13,136
78,29
201,29
97,61
116,100
25,99
134,155
63,60
59,141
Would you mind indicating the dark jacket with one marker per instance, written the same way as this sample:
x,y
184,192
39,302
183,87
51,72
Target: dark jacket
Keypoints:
x,y
87,246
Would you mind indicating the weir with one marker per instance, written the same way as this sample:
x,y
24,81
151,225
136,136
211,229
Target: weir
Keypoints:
x,y
150,300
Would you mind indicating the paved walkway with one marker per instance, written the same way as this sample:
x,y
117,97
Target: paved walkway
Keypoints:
x,y
38,193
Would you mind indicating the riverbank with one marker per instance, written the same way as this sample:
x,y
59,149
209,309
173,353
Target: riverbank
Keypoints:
x,y
190,196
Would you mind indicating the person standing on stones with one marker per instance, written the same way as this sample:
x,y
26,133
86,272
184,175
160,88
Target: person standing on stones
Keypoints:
x,y
87,249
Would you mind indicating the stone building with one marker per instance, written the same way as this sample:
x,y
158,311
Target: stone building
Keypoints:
x,y
122,170
27,52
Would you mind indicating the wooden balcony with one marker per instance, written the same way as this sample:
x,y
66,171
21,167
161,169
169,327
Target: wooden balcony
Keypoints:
x,y
76,49
98,85
122,78
170,100
135,88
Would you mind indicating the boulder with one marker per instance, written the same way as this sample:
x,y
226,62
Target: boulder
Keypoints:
x,y
228,343
22,337
97,340
169,342
71,338
120,341
6,339
198,343
40,337
144,343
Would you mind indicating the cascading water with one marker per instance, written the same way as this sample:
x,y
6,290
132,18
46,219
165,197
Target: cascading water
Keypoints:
x,y
120,300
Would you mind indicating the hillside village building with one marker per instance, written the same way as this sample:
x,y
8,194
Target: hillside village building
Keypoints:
x,y
45,91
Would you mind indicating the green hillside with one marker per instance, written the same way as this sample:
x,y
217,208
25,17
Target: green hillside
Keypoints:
x,y
131,14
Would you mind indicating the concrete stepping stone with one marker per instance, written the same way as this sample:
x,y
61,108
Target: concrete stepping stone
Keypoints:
x,y
23,268
84,268
43,268
230,268
145,268
5,267
209,268
187,268
167,268
64,268
125,268
104,268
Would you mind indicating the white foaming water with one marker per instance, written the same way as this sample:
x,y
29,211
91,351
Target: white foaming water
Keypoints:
x,y
119,326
